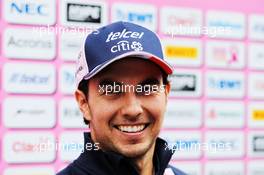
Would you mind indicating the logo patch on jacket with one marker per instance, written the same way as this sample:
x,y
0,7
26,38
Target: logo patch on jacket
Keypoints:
x,y
168,171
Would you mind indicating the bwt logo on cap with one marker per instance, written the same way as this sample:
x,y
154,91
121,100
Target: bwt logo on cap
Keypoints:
x,y
125,45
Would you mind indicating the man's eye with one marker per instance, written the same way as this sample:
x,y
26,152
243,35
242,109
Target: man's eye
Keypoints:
x,y
109,88
112,90
149,89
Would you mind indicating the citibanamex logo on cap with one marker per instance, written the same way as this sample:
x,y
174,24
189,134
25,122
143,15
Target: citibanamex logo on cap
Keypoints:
x,y
126,46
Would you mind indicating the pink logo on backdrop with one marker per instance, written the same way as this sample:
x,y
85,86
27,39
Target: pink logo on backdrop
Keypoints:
x,y
227,55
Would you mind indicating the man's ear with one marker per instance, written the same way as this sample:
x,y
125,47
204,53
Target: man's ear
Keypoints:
x,y
167,88
83,104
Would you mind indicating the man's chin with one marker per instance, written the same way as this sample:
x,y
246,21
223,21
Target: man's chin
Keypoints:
x,y
135,150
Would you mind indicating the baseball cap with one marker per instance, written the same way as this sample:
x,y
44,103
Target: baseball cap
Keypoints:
x,y
117,41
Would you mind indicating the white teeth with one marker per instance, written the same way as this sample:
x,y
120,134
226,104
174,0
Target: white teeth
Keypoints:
x,y
136,128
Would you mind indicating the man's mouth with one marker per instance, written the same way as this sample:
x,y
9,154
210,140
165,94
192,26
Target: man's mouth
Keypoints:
x,y
131,128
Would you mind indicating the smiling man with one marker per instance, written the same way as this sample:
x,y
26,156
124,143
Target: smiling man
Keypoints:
x,y
122,93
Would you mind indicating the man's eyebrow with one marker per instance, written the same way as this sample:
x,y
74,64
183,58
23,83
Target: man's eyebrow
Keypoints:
x,y
150,81
107,81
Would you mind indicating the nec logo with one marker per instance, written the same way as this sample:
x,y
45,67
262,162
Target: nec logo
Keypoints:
x,y
29,8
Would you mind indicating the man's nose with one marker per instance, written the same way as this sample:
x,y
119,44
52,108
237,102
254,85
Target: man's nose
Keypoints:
x,y
131,107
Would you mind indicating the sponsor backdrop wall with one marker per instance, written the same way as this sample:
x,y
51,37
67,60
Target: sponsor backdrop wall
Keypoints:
x,y
215,113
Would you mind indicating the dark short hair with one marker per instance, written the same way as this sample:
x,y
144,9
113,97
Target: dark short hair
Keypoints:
x,y
83,86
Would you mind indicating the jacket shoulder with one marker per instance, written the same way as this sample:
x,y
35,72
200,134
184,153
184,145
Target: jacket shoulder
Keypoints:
x,y
172,170
65,171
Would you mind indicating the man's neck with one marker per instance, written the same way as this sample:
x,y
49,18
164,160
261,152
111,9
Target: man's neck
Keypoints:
x,y
144,164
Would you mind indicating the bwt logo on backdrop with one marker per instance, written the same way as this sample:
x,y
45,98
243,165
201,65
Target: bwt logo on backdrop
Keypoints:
x,y
225,84
145,15
135,17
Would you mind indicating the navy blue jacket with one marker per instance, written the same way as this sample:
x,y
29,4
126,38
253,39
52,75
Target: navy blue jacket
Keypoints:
x,y
97,162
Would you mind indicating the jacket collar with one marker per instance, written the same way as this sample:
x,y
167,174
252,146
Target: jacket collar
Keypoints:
x,y
101,162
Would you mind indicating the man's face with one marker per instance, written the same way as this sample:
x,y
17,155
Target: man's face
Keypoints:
x,y
127,122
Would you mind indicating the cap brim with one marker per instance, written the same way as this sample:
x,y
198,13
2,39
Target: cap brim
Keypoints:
x,y
144,55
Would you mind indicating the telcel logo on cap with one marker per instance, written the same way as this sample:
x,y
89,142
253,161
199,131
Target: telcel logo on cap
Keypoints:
x,y
124,34
125,45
